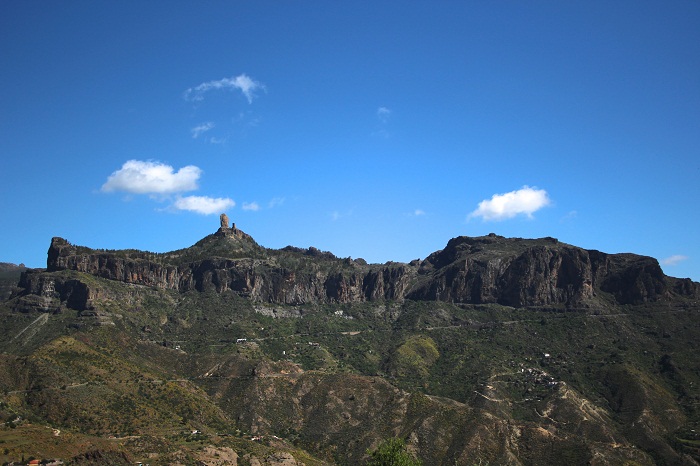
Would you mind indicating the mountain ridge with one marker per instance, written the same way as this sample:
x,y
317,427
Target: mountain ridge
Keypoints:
x,y
470,270
491,350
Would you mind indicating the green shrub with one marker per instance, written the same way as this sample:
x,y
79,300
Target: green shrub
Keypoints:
x,y
392,452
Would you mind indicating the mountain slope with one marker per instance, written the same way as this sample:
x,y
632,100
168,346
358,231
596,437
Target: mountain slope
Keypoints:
x,y
507,351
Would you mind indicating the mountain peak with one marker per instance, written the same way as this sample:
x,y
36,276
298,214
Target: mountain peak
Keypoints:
x,y
233,231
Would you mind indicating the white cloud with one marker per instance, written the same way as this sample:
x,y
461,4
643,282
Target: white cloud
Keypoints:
x,y
242,82
253,206
203,204
139,177
418,212
503,206
337,215
201,129
570,216
674,259
383,114
275,202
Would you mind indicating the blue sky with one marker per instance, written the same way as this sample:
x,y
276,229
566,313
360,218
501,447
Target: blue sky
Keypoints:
x,y
369,129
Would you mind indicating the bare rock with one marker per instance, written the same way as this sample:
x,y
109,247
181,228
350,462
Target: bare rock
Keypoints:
x,y
224,220
490,269
217,456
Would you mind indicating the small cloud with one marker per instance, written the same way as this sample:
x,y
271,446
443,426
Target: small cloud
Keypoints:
x,y
504,206
214,140
275,202
203,204
418,212
674,259
139,177
253,206
200,129
571,214
569,217
383,114
242,82
337,215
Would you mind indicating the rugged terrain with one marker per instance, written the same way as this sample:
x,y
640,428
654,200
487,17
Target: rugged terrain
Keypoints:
x,y
9,276
491,351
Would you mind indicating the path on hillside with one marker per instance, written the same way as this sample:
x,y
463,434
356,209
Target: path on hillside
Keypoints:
x,y
37,323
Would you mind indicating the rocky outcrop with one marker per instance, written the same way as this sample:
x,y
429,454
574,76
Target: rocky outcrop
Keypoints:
x,y
9,275
128,267
266,281
634,279
223,218
517,272
491,269
46,292
262,280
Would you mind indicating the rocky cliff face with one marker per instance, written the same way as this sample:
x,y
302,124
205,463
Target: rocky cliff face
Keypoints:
x,y
518,272
9,275
289,276
492,269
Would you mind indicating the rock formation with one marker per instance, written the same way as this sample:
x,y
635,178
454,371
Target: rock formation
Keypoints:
x,y
224,221
491,269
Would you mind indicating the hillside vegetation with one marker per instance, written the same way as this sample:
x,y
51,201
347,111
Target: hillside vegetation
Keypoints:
x,y
491,351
